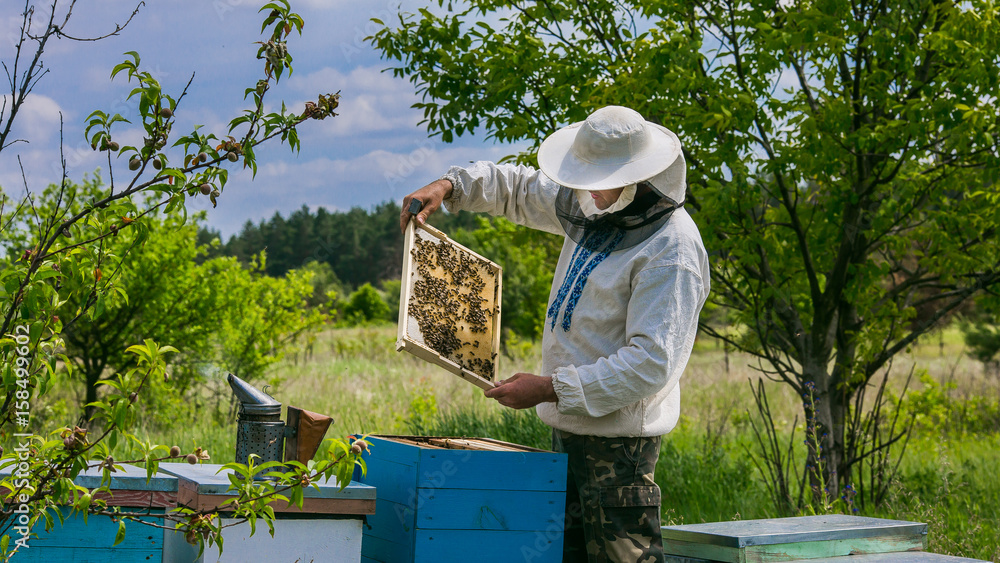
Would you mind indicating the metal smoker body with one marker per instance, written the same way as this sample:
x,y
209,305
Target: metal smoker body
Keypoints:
x,y
259,428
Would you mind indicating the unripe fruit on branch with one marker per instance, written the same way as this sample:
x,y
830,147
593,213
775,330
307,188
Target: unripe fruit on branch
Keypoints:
x,y
175,451
205,189
192,459
166,113
157,164
202,157
134,164
113,146
232,156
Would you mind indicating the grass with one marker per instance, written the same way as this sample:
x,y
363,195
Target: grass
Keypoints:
x,y
705,471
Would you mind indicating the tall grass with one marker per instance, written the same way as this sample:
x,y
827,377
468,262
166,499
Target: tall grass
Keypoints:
x,y
948,477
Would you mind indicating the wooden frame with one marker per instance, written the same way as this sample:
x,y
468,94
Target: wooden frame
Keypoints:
x,y
411,341
458,443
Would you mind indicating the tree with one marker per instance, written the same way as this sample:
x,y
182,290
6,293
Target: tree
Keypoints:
x,y
64,252
215,312
841,156
326,285
981,332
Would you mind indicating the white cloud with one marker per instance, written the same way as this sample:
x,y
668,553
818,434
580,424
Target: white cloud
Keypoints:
x,y
37,119
379,175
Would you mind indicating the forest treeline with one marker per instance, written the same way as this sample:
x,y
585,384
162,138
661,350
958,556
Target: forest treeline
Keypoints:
x,y
361,246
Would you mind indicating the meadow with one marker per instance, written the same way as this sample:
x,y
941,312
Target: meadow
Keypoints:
x,y
947,476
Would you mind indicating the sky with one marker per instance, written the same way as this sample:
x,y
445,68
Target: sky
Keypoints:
x,y
374,151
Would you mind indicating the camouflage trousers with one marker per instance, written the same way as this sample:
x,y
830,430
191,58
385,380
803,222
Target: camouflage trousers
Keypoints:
x,y
612,502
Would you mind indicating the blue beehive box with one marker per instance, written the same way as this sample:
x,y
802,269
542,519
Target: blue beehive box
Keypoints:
x,y
78,541
461,499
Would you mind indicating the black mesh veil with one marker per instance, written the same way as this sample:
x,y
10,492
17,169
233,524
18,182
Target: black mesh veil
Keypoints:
x,y
627,227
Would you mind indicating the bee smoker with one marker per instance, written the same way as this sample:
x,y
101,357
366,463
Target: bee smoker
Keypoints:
x,y
260,430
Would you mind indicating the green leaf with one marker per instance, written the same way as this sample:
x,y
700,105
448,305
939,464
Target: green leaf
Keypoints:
x,y
120,536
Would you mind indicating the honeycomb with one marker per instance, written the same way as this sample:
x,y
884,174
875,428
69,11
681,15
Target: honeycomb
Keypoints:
x,y
453,303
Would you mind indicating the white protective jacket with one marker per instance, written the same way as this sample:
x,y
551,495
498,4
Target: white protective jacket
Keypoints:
x,y
617,369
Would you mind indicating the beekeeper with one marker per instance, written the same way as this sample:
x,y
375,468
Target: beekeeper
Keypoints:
x,y
622,315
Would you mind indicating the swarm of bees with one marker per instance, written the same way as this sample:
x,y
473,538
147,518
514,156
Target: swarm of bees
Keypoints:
x,y
447,303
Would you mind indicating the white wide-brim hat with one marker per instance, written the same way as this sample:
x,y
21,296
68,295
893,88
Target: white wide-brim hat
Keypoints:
x,y
612,148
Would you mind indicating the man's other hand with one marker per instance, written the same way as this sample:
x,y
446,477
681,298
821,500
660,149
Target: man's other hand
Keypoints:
x,y
522,391
430,196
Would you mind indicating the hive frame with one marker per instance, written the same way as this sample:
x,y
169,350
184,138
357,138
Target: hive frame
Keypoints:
x,y
403,340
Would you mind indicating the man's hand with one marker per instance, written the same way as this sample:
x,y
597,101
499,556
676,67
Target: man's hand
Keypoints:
x,y
523,390
430,196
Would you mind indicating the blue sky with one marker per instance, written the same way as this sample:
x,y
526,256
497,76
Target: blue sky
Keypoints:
x,y
372,152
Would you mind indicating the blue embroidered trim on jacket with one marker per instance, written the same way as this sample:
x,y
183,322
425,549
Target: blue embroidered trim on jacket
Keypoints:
x,y
580,256
581,282
580,268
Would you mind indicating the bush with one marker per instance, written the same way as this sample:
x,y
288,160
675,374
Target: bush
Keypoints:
x,y
936,408
391,289
365,305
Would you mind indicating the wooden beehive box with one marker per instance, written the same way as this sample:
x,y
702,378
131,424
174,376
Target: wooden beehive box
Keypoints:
x,y
449,305
454,499
327,528
92,539
793,539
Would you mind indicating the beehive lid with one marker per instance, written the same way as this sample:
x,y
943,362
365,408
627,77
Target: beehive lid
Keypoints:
x,y
449,306
898,557
125,478
128,477
205,486
743,533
